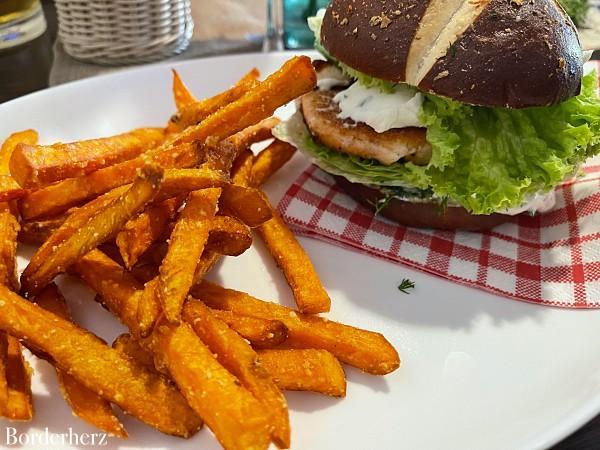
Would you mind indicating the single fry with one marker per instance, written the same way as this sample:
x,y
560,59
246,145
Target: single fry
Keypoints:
x,y
34,166
101,227
9,188
305,370
228,236
269,161
178,181
366,350
176,273
9,230
247,204
295,264
29,137
236,355
181,93
149,309
78,352
236,418
207,261
85,403
126,345
19,404
115,286
59,197
38,231
261,333
141,232
196,112
241,170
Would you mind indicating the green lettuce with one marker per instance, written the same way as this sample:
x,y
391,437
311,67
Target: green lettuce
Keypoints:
x,y
577,9
491,159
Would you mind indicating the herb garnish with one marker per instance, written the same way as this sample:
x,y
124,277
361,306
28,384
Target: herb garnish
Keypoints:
x,y
405,285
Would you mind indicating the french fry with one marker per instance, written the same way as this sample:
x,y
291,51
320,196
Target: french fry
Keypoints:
x,y
236,418
305,370
366,350
149,308
59,197
141,232
207,261
3,370
126,345
19,405
261,333
295,77
101,227
34,166
181,93
196,112
70,226
228,236
189,237
38,231
221,155
9,230
85,403
178,181
241,170
247,204
115,286
241,360
9,188
310,296
269,161
78,352
29,137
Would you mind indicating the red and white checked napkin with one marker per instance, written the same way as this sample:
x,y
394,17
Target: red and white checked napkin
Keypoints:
x,y
550,259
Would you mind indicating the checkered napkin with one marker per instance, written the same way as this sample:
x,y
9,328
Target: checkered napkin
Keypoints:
x,y
550,259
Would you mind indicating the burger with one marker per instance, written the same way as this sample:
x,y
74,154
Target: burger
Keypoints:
x,y
449,114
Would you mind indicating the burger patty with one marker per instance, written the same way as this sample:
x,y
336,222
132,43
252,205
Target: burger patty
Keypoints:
x,y
346,136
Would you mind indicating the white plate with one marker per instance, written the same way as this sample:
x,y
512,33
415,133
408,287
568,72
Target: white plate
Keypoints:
x,y
478,371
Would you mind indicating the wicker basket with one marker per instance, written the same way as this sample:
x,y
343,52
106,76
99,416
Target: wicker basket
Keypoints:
x,y
124,31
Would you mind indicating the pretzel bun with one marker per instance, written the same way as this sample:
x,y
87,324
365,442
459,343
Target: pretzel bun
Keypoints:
x,y
421,214
497,53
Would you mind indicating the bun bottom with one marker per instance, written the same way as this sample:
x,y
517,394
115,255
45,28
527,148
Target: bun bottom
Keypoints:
x,y
421,215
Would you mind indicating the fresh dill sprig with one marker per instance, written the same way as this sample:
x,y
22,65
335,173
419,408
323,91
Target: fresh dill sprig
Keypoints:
x,y
381,203
405,285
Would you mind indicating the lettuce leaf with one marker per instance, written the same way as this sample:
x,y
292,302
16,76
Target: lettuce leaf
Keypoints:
x,y
490,159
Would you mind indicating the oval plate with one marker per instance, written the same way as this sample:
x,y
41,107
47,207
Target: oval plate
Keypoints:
x,y
478,371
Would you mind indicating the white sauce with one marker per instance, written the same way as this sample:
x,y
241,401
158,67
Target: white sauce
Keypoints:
x,y
382,111
539,203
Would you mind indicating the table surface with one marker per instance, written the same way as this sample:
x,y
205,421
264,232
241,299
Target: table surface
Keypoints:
x,y
224,24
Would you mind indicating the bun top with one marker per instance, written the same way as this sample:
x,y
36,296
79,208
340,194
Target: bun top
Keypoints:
x,y
498,53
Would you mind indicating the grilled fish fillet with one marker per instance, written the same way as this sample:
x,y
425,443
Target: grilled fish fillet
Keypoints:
x,y
346,136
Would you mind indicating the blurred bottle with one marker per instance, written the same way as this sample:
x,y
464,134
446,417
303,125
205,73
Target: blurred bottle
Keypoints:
x,y
296,33
21,21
